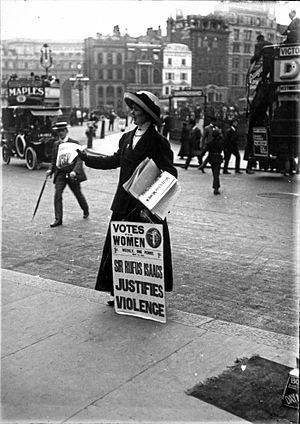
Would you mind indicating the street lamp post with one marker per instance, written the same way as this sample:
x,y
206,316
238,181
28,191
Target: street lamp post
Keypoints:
x,y
46,58
79,82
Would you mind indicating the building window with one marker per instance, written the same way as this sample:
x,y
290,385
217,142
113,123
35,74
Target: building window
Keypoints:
x,y
211,97
120,92
109,74
235,79
110,92
131,55
215,43
167,91
248,35
100,58
183,76
169,61
144,76
169,76
100,74
119,59
236,47
131,76
183,62
246,63
235,63
155,56
247,48
156,76
109,58
236,34
119,74
100,92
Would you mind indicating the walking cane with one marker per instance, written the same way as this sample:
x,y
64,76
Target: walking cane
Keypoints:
x,y
39,199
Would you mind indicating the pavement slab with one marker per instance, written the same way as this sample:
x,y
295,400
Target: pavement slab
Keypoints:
x,y
67,357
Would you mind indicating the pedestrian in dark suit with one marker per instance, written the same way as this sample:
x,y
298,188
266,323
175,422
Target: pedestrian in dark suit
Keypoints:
x,y
207,137
71,175
193,143
214,148
258,48
231,147
112,117
134,146
184,140
166,125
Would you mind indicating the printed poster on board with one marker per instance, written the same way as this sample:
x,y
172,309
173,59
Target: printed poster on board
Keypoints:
x,y
138,272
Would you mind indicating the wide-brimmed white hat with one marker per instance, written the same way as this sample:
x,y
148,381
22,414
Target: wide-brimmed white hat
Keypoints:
x,y
146,101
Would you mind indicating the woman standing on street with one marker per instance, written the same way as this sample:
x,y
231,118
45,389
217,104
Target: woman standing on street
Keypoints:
x,y
134,146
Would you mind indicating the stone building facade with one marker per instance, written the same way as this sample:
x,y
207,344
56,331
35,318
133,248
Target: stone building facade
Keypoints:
x,y
222,45
207,38
177,68
245,22
115,64
104,66
144,63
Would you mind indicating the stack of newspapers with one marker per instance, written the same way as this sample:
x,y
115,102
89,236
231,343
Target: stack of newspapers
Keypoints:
x,y
155,189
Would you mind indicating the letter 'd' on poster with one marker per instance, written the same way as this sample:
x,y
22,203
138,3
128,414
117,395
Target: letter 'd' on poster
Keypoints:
x,y
138,272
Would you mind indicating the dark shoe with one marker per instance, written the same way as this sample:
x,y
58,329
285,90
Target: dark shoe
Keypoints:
x,y
249,171
226,172
238,172
111,303
56,223
85,215
216,191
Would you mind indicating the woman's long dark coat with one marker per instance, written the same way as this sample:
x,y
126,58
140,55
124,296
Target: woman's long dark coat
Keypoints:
x,y
124,207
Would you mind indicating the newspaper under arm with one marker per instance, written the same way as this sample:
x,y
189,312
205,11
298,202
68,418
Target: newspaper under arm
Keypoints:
x,y
155,189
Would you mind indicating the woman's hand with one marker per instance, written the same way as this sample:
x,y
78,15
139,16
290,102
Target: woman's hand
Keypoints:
x,y
82,155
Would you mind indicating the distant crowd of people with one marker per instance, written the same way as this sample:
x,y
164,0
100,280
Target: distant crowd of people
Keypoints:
x,y
211,147
216,147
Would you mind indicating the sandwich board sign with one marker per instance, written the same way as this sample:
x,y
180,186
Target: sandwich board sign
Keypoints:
x,y
138,271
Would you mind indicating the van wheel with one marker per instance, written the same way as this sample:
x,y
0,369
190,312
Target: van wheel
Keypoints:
x,y
21,145
31,158
5,155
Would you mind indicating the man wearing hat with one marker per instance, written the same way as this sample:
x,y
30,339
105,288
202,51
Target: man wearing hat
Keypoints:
x,y
71,175
134,146
231,140
258,48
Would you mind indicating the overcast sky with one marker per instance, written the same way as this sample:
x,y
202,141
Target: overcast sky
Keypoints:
x,y
79,19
